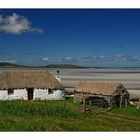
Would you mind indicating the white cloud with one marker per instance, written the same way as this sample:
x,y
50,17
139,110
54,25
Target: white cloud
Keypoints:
x,y
8,61
118,57
68,58
45,59
101,58
16,24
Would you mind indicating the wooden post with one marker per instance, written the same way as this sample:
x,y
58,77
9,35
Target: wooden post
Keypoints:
x,y
101,103
84,106
110,102
139,103
64,103
126,102
121,101
90,106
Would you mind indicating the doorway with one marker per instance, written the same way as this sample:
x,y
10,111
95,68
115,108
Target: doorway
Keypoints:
x,y
30,93
117,100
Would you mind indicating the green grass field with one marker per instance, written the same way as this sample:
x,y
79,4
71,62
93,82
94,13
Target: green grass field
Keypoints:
x,y
51,116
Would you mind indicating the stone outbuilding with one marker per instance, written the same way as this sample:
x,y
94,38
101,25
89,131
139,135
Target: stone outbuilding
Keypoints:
x,y
102,94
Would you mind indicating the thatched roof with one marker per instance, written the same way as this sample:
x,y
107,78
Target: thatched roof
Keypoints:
x,y
28,79
105,88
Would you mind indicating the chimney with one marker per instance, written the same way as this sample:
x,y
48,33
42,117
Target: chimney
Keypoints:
x,y
58,77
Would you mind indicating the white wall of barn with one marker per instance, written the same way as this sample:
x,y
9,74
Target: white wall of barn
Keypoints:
x,y
39,94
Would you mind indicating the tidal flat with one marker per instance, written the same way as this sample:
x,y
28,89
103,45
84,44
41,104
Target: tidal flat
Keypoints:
x,y
129,77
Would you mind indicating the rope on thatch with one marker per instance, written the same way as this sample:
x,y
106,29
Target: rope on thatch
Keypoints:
x,y
28,79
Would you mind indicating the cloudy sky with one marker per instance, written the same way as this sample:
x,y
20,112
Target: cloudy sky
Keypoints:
x,y
84,37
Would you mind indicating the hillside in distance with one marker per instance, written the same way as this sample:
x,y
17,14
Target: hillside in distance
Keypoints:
x,y
7,64
11,65
63,66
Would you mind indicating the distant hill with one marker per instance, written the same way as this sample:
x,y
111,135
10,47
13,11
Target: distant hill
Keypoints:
x,y
11,65
63,66
6,64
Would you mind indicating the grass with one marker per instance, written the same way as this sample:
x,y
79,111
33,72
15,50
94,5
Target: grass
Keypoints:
x,y
51,116
131,111
35,108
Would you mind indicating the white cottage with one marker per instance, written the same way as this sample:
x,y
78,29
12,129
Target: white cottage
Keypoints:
x,y
30,85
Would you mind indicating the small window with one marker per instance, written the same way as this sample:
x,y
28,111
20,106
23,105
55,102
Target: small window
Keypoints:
x,y
50,91
10,91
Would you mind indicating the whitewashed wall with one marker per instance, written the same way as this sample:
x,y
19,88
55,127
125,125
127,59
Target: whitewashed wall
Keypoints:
x,y
44,94
39,94
3,95
18,94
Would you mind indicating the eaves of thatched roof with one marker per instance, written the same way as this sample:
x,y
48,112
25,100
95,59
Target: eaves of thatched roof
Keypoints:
x,y
28,79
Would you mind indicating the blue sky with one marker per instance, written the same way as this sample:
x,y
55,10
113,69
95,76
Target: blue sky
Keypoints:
x,y
87,37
